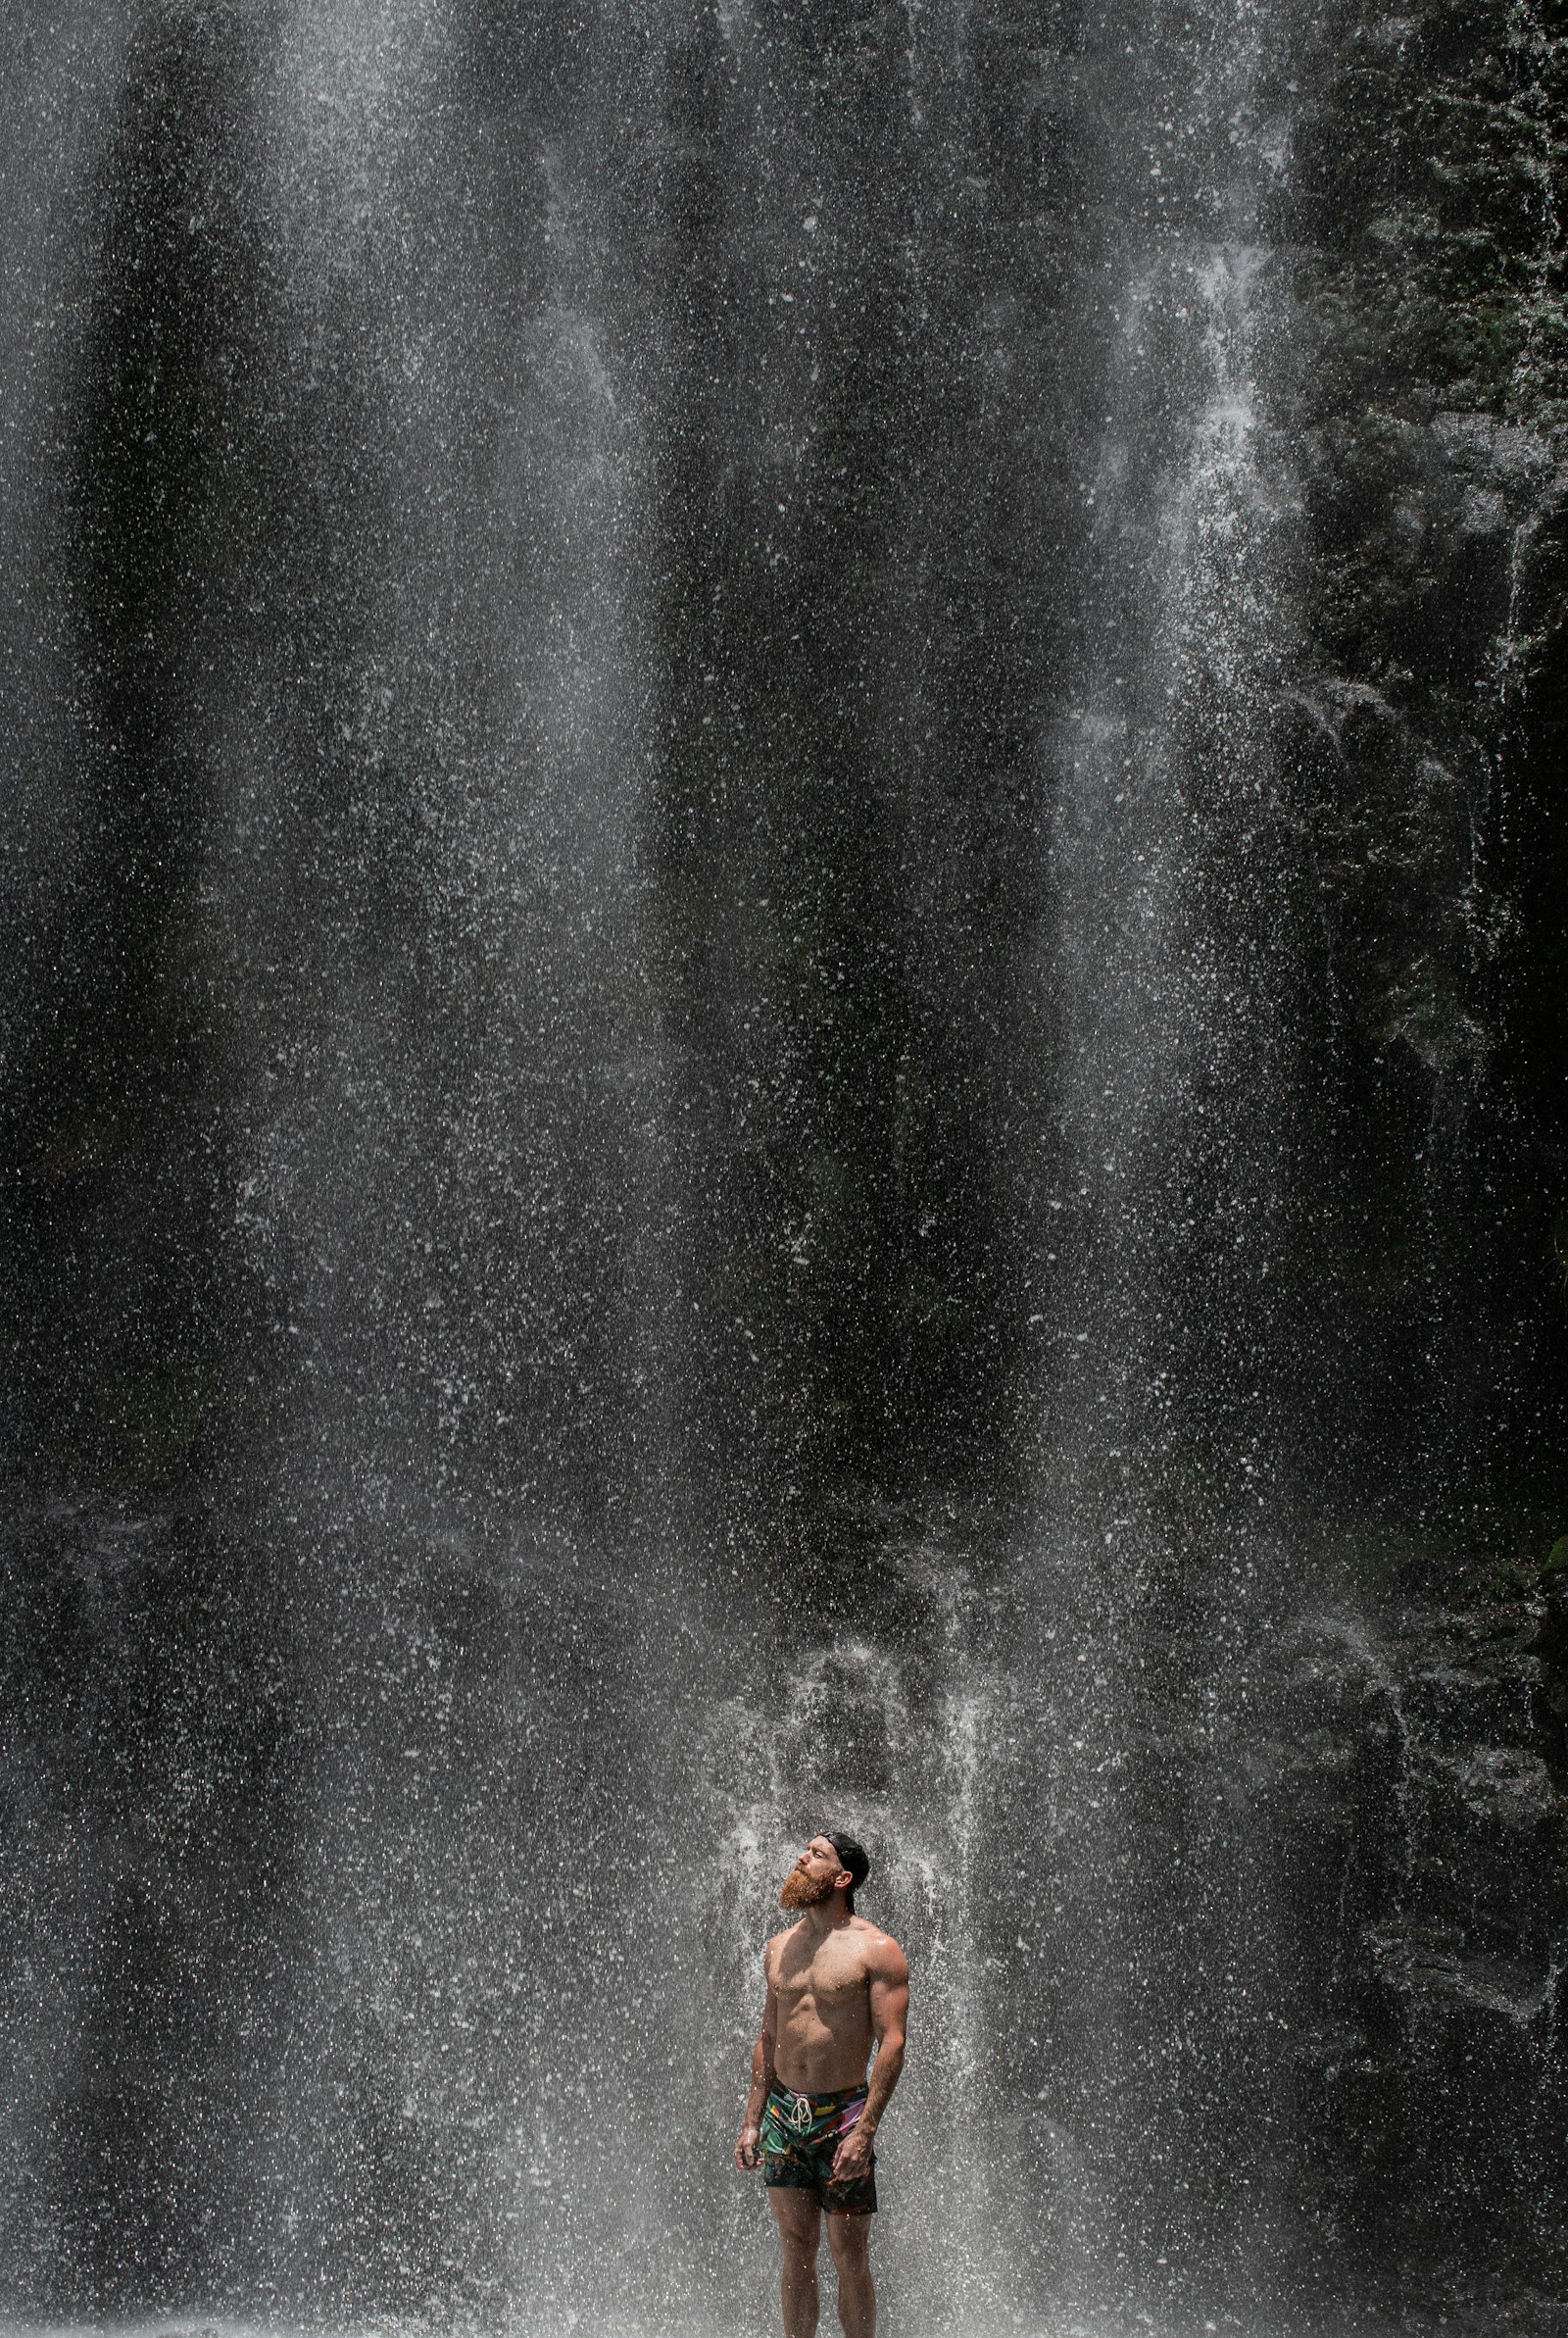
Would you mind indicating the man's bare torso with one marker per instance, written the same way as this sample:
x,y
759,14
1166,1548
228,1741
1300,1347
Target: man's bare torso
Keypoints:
x,y
820,1987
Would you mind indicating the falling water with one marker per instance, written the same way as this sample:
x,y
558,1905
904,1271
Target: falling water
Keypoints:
x,y
664,1185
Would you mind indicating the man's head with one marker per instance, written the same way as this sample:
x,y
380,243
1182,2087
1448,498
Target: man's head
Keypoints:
x,y
830,1862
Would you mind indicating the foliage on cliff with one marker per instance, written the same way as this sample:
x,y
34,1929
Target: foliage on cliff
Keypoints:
x,y
1428,399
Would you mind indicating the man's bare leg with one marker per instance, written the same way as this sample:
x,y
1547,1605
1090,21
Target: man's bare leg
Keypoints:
x,y
849,2238
799,2228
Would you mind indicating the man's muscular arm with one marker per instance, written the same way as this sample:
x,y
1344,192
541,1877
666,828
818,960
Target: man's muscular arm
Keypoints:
x,y
748,2151
888,1978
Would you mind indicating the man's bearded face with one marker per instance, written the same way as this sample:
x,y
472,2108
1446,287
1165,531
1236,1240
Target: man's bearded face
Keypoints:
x,y
812,1880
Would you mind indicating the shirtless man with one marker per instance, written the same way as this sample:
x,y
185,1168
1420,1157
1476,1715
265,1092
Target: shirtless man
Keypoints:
x,y
836,1986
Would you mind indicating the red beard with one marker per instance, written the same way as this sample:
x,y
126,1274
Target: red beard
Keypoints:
x,y
801,1892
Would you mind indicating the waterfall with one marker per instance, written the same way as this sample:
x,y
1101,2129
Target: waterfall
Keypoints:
x,y
752,842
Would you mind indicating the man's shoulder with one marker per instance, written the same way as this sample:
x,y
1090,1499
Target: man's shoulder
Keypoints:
x,y
776,1942
882,1953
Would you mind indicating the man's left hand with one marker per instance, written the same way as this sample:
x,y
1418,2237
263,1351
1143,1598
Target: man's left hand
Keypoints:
x,y
854,2155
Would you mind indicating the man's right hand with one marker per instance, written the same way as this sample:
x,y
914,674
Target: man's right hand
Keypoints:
x,y
749,2150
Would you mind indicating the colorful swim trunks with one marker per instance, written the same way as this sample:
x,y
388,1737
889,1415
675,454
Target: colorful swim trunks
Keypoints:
x,y
801,2134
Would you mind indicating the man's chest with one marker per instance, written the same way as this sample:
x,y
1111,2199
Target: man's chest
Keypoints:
x,y
831,1982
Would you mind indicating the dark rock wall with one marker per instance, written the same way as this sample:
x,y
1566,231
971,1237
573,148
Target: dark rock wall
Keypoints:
x,y
1425,400
1421,1787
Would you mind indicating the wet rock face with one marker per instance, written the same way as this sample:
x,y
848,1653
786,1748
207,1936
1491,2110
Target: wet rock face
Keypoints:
x,y
1336,1957
1427,1796
1426,400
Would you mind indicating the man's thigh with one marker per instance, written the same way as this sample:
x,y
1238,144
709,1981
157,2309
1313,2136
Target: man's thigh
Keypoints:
x,y
849,2237
799,2217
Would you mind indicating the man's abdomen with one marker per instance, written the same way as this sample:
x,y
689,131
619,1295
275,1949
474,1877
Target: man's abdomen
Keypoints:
x,y
816,2057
